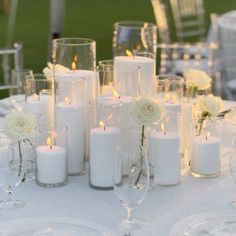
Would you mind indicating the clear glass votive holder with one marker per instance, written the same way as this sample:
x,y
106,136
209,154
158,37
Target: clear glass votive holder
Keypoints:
x,y
164,151
206,148
51,156
104,140
71,111
18,77
39,97
106,65
74,53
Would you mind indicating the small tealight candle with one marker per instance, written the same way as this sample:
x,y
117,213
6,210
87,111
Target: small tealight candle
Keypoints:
x,y
164,154
103,144
51,164
205,158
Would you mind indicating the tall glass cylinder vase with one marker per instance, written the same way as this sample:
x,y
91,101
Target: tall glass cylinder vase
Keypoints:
x,y
70,111
104,140
134,46
40,97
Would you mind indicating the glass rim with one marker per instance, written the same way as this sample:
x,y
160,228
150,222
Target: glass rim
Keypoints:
x,y
135,24
171,76
73,41
32,77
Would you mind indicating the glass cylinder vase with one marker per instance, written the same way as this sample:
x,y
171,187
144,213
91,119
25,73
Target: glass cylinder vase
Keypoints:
x,y
51,156
70,111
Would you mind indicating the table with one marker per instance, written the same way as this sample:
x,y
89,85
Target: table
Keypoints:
x,y
163,207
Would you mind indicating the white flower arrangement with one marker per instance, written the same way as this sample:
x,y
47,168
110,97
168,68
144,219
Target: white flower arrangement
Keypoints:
x,y
145,110
52,69
209,106
20,125
196,80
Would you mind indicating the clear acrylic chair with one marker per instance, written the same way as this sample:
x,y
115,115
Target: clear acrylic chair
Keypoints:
x,y
160,11
227,39
177,58
189,19
11,58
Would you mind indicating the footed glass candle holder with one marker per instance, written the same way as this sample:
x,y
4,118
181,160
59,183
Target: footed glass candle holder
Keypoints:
x,y
51,156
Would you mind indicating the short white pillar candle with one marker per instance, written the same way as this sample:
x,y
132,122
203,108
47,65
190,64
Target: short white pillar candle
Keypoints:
x,y
164,154
205,158
103,145
51,165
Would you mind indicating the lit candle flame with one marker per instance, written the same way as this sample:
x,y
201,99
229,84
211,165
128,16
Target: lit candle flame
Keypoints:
x,y
49,142
102,125
207,135
67,100
73,66
163,128
129,53
75,58
115,94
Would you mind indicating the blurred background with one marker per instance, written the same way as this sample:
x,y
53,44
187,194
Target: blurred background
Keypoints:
x,y
84,18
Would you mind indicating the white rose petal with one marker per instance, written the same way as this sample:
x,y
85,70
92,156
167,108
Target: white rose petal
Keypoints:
x,y
210,104
197,78
20,125
50,69
145,111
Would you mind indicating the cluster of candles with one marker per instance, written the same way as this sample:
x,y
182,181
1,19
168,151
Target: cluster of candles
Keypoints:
x,y
100,143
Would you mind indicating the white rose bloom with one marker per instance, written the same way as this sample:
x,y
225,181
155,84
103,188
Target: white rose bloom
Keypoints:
x,y
145,111
197,78
210,104
48,71
20,125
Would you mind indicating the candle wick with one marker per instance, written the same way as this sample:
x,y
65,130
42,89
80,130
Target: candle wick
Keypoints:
x,y
104,127
119,97
164,132
38,98
206,137
50,146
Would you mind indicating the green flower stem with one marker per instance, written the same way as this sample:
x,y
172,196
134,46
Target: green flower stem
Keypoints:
x,y
141,147
191,92
21,158
204,115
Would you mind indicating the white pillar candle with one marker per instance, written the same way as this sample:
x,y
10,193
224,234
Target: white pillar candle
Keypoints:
x,y
103,145
205,158
173,107
51,164
71,115
126,74
41,106
163,149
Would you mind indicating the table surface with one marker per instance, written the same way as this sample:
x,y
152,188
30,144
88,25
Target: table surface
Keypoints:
x,y
163,206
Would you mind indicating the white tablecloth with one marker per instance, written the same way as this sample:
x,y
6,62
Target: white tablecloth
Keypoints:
x,y
163,207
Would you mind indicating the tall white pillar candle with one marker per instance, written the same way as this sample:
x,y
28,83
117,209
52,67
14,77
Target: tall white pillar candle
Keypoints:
x,y
205,158
41,106
71,115
51,164
127,70
164,154
103,145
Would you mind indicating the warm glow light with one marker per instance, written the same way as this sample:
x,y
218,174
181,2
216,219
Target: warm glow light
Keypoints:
x,y
129,53
115,94
67,100
73,65
49,142
102,125
207,135
163,128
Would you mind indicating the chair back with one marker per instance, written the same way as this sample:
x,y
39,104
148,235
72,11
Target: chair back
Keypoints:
x,y
11,58
189,19
159,10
